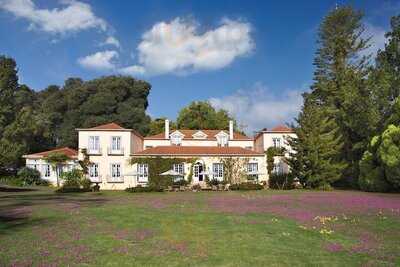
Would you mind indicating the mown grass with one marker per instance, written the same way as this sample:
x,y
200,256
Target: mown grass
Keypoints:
x,y
181,229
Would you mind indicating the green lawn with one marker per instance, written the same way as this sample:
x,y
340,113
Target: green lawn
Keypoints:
x,y
275,228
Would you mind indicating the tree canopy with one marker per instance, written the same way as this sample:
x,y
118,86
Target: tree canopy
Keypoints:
x,y
201,115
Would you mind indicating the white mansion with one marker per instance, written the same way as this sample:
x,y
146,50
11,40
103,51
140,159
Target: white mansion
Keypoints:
x,y
111,147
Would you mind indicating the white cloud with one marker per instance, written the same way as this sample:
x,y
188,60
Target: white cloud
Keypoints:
x,y
112,41
258,107
103,60
377,41
73,17
177,47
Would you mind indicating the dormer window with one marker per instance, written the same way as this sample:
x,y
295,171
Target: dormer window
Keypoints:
x,y
199,135
176,138
222,139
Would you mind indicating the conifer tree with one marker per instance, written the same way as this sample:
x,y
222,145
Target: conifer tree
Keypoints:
x,y
340,84
315,159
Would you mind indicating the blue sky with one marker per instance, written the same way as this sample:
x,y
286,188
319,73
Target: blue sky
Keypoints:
x,y
253,58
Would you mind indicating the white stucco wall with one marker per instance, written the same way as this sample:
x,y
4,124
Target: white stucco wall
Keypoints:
x,y
199,142
40,164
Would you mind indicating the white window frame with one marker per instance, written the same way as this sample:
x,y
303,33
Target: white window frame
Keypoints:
x,y
94,170
142,172
277,169
252,169
277,142
47,171
218,171
94,143
116,143
179,167
115,172
222,139
176,138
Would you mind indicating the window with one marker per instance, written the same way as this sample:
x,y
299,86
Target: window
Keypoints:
x,y
218,171
196,170
116,143
252,169
276,142
94,170
176,139
94,143
46,170
199,135
277,168
222,139
178,167
249,147
143,173
147,147
115,171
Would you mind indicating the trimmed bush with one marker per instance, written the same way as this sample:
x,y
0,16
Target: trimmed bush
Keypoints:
x,y
142,189
30,176
11,181
246,186
281,181
74,181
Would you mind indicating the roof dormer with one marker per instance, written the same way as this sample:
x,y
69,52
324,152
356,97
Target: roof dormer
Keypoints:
x,y
176,138
222,138
199,135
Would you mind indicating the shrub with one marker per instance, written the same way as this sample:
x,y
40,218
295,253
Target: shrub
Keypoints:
x,y
72,190
246,186
180,182
282,181
31,176
74,181
215,182
196,187
141,189
11,181
86,183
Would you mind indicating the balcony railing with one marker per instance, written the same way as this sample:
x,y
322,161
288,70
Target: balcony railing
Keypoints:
x,y
95,179
97,151
111,179
111,151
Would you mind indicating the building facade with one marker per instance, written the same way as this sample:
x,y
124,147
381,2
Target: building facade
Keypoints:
x,y
111,148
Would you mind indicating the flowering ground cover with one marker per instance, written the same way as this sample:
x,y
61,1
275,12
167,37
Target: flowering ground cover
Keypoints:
x,y
281,228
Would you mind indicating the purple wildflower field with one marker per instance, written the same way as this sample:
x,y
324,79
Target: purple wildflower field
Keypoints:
x,y
340,228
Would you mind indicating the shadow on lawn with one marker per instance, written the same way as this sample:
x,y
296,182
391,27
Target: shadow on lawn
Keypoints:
x,y
16,209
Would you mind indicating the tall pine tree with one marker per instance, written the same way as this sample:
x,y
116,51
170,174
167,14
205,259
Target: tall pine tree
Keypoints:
x,y
316,158
340,84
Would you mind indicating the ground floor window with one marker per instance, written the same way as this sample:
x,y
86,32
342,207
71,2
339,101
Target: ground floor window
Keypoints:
x,y
179,168
46,170
94,170
116,172
278,169
218,171
252,171
143,173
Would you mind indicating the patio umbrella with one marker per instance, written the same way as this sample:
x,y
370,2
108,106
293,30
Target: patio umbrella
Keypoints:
x,y
171,173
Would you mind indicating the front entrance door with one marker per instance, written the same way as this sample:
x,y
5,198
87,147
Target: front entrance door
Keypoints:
x,y
198,170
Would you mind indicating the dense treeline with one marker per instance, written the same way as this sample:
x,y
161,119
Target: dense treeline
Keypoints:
x,y
34,121
348,128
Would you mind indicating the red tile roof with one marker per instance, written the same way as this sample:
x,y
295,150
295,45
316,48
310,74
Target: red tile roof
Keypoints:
x,y
69,152
197,151
210,135
279,129
108,126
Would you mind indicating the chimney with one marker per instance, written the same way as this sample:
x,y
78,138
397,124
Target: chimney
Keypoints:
x,y
166,129
230,129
